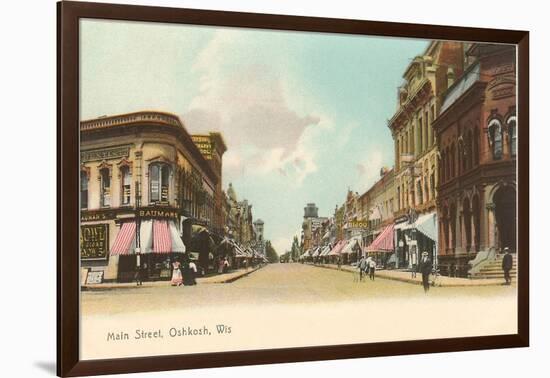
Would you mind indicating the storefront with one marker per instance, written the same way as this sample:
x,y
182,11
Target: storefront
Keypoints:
x,y
414,235
382,247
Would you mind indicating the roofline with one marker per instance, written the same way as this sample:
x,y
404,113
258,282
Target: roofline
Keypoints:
x,y
177,124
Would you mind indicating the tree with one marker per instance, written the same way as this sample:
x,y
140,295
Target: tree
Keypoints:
x,y
270,252
295,251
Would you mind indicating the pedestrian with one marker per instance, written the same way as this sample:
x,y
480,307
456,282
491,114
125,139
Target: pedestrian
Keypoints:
x,y
363,267
339,262
414,262
189,270
193,272
507,265
425,268
140,274
220,265
177,278
372,268
225,265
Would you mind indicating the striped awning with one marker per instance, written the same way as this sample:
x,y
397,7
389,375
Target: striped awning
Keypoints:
x,y
384,241
337,248
177,243
162,240
325,251
156,236
124,239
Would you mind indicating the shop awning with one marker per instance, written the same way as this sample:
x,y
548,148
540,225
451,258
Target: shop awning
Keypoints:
x,y
162,240
316,252
349,248
305,254
125,237
384,241
177,243
156,236
427,225
337,248
325,251
146,236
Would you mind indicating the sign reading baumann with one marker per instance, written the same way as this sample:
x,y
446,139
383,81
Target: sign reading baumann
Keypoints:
x,y
94,241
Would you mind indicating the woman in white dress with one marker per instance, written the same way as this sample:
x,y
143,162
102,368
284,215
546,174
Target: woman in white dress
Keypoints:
x,y
177,278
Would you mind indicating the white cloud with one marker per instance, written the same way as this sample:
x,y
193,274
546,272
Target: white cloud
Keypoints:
x,y
246,98
368,169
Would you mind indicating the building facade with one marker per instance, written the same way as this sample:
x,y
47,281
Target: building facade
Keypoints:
x,y
416,160
476,135
143,183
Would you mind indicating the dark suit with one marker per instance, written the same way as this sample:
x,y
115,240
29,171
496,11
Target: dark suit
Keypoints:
x,y
425,268
507,264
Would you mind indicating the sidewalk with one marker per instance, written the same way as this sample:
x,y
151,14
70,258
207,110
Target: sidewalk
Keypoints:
x,y
442,281
215,279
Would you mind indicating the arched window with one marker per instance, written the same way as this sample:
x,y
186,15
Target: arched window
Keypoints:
x,y
126,181
105,178
495,138
512,134
159,174
83,189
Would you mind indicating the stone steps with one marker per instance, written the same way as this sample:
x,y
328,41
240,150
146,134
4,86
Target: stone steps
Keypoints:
x,y
494,269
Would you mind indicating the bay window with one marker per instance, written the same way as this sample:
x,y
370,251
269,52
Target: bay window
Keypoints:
x,y
159,174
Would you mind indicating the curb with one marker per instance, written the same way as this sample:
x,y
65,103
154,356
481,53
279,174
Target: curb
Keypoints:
x,y
99,287
410,281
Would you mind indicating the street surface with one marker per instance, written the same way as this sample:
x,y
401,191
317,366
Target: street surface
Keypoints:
x,y
275,283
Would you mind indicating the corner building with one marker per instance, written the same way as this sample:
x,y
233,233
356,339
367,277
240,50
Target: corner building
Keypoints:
x,y
477,138
144,183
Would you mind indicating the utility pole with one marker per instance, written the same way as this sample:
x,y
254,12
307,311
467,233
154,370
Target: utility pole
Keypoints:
x,y
138,226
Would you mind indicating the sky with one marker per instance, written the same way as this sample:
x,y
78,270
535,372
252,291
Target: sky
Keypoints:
x,y
304,115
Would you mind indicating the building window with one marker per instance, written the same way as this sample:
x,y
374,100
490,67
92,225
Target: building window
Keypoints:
x,y
495,138
83,190
105,178
419,191
398,198
432,183
159,174
126,180
512,132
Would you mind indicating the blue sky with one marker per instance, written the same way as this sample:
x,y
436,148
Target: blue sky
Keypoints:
x,y
303,114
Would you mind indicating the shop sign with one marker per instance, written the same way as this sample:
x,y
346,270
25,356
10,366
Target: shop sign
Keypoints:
x,y
158,213
204,144
100,215
94,241
95,277
105,154
358,224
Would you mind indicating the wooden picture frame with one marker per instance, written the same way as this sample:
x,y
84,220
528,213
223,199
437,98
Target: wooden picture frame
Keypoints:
x,y
68,275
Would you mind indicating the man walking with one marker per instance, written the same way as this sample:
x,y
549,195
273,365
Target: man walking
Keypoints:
x,y
363,266
425,268
372,268
507,264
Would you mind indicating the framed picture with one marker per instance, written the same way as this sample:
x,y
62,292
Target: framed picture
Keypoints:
x,y
239,188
